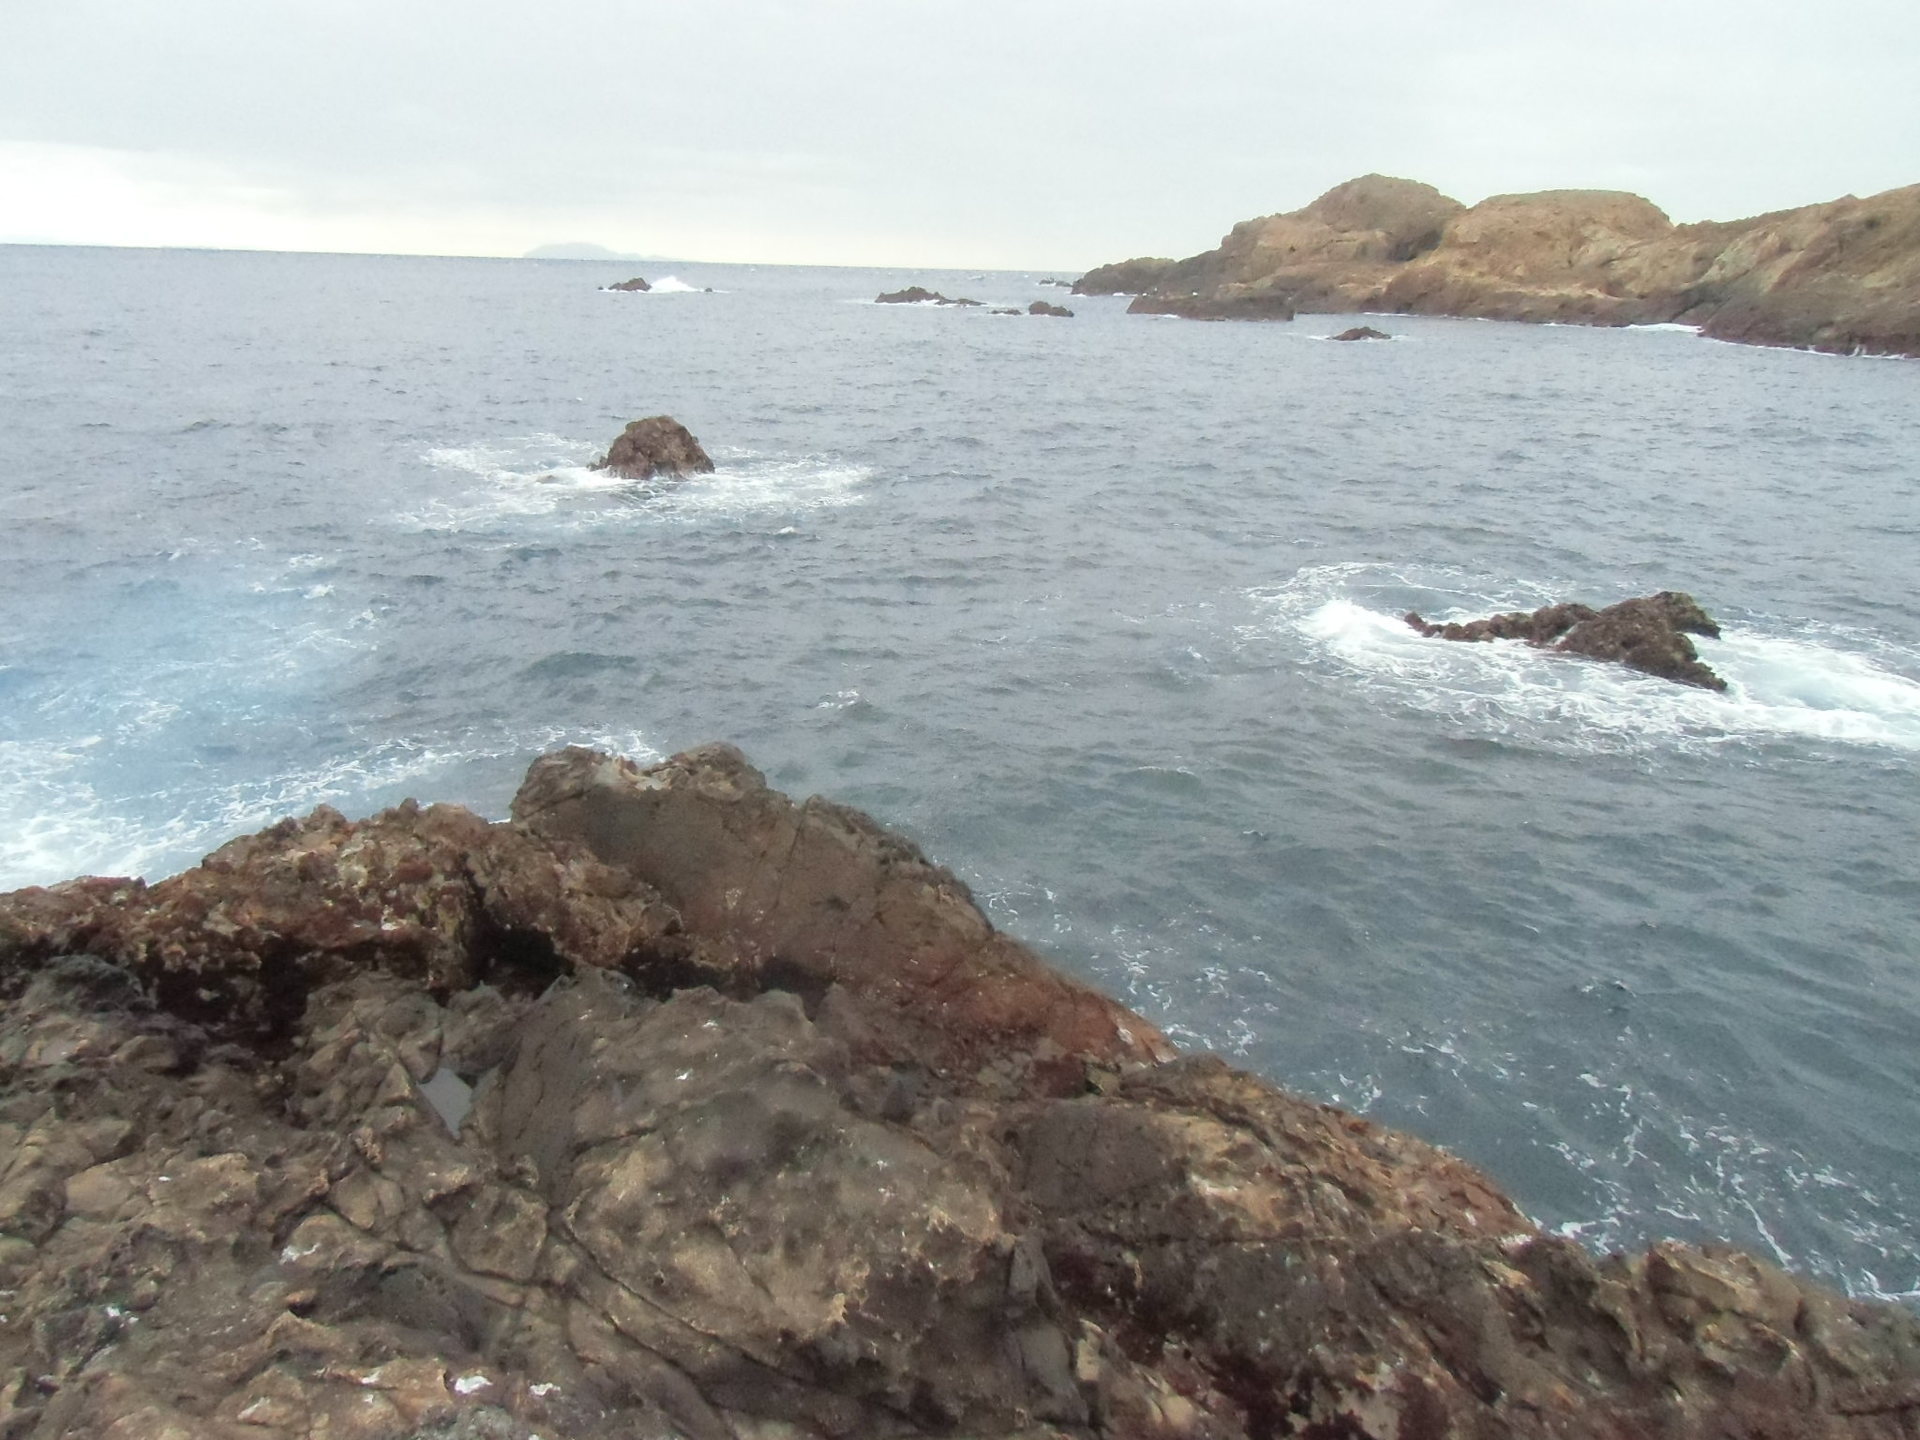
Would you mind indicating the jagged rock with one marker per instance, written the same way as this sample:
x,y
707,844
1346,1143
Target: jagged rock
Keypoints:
x,y
1841,276
839,1161
1363,332
634,284
1647,634
658,445
1041,307
1127,277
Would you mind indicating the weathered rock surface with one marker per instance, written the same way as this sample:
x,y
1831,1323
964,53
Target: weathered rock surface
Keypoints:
x,y
1041,307
658,445
1126,277
1363,332
1841,276
675,1108
1648,633
636,283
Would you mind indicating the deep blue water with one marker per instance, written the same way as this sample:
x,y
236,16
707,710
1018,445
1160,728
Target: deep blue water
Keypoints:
x,y
1101,612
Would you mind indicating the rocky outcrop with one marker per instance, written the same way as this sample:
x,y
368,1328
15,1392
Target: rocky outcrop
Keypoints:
x,y
1363,332
916,295
1647,634
1041,307
1127,277
635,284
658,445
1842,276
1225,305
673,1107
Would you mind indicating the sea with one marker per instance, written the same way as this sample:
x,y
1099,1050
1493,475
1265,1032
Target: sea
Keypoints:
x,y
1104,612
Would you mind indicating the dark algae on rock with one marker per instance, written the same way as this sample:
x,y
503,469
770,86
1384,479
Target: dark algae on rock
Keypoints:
x,y
1841,276
771,1135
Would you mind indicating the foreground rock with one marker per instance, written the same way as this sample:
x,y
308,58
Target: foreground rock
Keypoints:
x,y
635,284
658,445
1842,276
675,1108
1363,332
1647,634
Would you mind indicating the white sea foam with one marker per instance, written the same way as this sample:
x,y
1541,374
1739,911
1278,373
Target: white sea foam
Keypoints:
x,y
57,820
1822,687
547,476
1668,325
674,285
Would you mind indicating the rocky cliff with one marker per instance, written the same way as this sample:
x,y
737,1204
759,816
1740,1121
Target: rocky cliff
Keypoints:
x,y
674,1108
1842,276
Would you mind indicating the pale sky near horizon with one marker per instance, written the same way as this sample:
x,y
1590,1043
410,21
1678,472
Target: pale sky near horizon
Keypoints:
x,y
1048,134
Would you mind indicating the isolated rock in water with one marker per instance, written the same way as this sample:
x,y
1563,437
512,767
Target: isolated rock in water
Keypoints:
x,y
1648,634
1006,310
1126,277
658,445
1058,284
1363,332
912,295
675,1107
634,284
1041,307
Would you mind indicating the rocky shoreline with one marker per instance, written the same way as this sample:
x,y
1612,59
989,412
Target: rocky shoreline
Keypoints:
x,y
1843,276
673,1107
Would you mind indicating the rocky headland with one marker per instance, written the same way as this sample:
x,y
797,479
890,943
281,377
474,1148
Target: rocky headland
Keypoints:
x,y
674,1108
1842,276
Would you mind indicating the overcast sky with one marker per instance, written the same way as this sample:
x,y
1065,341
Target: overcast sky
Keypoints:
x,y
1045,134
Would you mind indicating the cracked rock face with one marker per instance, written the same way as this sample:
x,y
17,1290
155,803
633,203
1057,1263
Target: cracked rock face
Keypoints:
x,y
675,1108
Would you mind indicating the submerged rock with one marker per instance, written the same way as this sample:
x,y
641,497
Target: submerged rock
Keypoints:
x,y
1363,332
757,1127
658,445
1648,634
634,284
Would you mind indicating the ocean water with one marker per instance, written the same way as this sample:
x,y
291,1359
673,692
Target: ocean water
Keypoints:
x,y
1103,613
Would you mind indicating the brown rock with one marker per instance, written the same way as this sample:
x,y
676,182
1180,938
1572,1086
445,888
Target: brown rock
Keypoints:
x,y
1363,332
1841,276
868,1211
1222,306
1041,307
1128,277
658,445
912,295
1647,634
636,283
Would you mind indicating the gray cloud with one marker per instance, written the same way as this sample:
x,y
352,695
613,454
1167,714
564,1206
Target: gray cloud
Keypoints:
x,y
993,132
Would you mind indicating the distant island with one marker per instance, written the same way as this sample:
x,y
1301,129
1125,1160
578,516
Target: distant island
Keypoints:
x,y
584,250
1842,276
